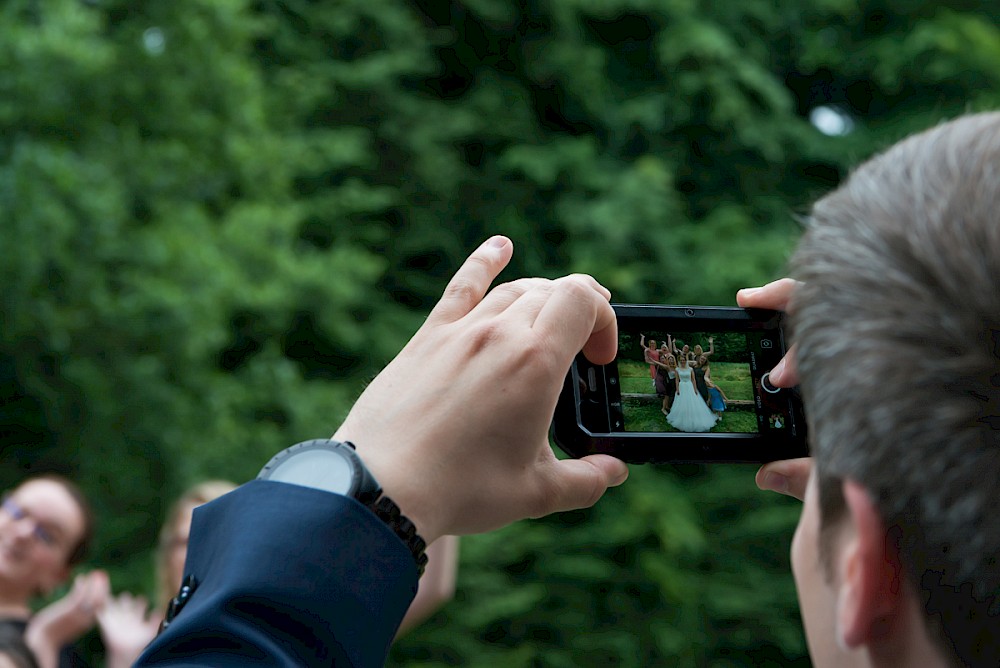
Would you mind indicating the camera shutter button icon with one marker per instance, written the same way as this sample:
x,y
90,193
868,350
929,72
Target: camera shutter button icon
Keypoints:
x,y
769,387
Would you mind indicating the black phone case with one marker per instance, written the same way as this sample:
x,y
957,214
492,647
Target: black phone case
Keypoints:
x,y
591,416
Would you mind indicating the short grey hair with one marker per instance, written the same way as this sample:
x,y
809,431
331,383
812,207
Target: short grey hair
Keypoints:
x,y
898,327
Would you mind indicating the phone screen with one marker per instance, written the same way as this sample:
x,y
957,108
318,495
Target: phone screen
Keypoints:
x,y
690,382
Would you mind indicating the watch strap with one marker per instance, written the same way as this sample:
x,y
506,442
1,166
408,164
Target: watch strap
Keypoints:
x,y
387,511
363,487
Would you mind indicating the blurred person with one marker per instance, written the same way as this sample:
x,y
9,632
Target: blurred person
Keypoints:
x,y
171,551
53,630
46,527
14,653
437,584
128,624
45,530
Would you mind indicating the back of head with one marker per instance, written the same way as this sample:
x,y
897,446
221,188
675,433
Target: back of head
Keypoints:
x,y
898,326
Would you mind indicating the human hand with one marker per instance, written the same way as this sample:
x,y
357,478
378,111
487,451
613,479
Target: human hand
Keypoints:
x,y
456,426
775,295
127,626
788,476
63,621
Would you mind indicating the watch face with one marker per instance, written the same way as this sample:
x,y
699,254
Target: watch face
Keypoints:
x,y
319,468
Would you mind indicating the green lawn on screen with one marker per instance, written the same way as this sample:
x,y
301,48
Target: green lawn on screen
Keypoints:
x,y
644,414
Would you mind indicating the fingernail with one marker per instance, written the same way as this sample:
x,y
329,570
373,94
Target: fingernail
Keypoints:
x,y
621,478
497,242
776,482
747,292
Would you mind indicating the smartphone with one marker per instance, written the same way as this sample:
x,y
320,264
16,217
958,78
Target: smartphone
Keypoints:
x,y
698,393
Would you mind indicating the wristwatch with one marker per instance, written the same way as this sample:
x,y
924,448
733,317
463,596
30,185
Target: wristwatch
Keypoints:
x,y
334,466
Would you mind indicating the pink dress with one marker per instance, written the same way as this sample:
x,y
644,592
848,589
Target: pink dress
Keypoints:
x,y
651,357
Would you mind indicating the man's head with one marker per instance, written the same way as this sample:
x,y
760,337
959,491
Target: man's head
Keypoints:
x,y
898,330
46,526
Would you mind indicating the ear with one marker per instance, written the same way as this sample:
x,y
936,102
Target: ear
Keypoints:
x,y
869,572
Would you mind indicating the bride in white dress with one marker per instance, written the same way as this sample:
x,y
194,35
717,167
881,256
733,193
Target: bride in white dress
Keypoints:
x,y
689,412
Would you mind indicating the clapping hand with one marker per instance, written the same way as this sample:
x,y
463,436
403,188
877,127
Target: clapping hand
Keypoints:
x,y
63,621
127,626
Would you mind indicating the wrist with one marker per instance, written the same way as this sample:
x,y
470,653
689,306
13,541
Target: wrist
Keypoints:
x,y
336,467
400,483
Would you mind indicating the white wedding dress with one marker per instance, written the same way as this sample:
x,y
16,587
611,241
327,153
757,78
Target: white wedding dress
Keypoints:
x,y
689,411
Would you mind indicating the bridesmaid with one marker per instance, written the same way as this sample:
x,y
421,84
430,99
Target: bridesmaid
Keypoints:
x,y
718,398
700,367
697,351
666,381
651,355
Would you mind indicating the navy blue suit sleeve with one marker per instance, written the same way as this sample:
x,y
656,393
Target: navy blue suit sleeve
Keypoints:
x,y
288,576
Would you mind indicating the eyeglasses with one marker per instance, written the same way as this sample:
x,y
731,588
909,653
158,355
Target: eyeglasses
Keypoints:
x,y
38,530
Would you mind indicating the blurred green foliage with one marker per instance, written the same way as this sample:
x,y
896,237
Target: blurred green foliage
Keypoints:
x,y
219,217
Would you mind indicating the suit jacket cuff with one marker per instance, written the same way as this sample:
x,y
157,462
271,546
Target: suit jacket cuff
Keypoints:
x,y
288,575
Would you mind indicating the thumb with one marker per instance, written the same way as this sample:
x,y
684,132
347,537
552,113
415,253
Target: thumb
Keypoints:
x,y
580,483
788,476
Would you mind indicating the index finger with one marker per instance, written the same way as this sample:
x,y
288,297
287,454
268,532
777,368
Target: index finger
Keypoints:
x,y
469,284
578,314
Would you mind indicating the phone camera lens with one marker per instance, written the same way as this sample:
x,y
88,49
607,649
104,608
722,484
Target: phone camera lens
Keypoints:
x,y
689,312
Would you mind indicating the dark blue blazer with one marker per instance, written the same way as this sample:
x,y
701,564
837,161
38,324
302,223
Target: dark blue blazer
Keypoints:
x,y
288,576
